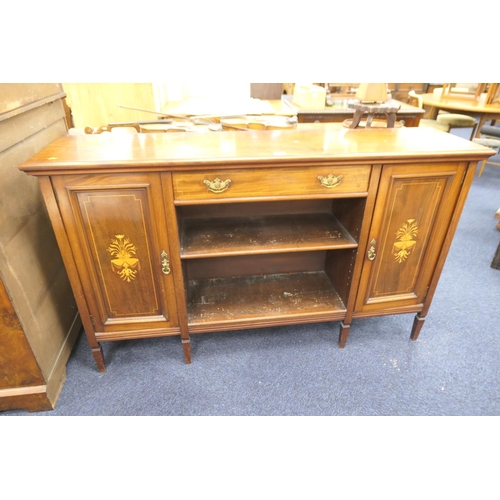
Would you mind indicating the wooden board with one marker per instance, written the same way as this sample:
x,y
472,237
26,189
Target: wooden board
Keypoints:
x,y
18,97
96,104
265,234
223,300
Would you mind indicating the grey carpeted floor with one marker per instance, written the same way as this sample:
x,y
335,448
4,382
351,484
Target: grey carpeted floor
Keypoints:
x,y
453,368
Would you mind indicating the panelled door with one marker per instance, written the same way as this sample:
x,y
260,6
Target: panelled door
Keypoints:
x,y
117,228
414,207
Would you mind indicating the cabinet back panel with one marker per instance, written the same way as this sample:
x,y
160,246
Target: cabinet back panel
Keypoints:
x,y
349,212
254,209
250,265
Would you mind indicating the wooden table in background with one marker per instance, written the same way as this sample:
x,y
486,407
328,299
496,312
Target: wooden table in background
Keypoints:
x,y
484,112
340,111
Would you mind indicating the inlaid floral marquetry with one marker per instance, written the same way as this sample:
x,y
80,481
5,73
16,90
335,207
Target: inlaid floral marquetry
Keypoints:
x,y
124,263
406,236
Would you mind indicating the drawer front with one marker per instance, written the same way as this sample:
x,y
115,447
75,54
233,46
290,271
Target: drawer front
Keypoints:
x,y
323,181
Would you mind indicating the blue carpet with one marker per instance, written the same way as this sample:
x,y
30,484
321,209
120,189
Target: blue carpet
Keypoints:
x,y
452,369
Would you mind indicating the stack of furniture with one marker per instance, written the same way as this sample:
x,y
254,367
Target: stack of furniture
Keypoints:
x,y
401,91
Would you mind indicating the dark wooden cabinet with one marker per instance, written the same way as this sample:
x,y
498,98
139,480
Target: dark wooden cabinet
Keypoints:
x,y
39,320
176,234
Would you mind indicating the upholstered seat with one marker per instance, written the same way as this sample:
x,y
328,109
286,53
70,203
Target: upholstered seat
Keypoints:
x,y
456,120
445,121
424,122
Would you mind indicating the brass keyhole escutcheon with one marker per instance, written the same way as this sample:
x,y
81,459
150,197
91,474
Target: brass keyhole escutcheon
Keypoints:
x,y
165,264
371,251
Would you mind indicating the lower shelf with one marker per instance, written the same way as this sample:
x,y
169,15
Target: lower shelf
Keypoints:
x,y
262,300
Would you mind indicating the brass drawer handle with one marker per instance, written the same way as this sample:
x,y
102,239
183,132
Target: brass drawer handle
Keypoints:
x,y
371,251
331,181
217,186
165,264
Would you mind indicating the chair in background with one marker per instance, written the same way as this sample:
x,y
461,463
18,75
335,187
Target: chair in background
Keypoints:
x,y
490,137
445,121
415,100
456,120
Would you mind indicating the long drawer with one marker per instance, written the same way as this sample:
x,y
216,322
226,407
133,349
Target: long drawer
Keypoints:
x,y
324,181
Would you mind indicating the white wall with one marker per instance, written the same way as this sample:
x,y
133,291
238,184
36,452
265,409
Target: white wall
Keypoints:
x,y
176,92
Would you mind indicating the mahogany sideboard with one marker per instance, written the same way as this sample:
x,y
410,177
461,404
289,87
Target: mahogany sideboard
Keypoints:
x,y
185,233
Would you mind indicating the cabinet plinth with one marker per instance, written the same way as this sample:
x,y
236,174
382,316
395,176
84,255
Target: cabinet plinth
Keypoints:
x,y
191,233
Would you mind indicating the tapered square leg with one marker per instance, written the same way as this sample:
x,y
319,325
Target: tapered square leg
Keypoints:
x,y
344,332
418,322
99,358
186,346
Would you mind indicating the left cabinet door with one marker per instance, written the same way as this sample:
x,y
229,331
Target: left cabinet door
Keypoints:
x,y
117,228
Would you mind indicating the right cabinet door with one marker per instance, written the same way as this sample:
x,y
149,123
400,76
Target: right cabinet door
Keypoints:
x,y
414,207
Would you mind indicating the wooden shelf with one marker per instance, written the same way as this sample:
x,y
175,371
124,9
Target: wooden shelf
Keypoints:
x,y
262,234
262,299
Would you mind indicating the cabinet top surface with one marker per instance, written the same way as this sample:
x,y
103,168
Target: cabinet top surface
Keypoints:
x,y
308,143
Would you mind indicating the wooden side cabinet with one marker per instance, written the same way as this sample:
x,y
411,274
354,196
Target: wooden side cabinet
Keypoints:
x,y
39,320
177,234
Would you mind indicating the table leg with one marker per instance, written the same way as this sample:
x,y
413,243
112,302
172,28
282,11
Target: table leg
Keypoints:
x,y
433,112
482,121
